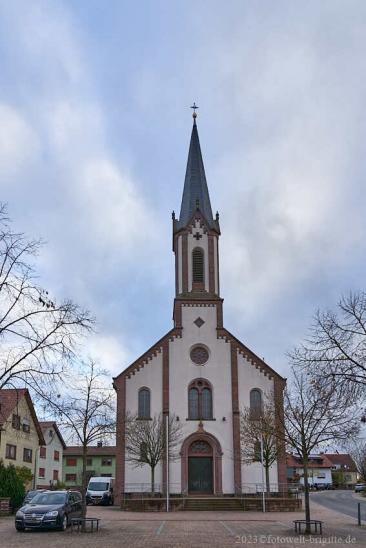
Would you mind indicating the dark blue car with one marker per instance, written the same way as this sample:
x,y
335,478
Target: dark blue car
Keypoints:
x,y
49,510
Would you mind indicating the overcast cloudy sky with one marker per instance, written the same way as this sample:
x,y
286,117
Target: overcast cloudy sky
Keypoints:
x,y
94,132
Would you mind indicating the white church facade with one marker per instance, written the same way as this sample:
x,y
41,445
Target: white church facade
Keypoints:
x,y
198,372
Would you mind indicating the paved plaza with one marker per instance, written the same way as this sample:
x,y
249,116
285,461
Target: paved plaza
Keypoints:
x,y
191,529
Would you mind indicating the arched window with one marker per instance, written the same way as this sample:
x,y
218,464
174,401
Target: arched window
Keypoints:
x,y
255,403
200,400
144,403
198,275
193,403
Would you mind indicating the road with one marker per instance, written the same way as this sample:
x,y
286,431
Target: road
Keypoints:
x,y
340,501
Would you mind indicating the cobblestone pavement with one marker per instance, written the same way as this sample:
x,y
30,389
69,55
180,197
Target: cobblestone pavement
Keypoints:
x,y
190,529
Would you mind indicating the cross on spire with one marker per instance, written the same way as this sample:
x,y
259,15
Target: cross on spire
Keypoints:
x,y
195,107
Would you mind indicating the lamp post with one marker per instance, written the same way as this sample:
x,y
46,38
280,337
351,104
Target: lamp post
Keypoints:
x,y
262,463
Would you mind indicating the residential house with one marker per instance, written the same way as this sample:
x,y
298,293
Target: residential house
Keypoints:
x,y
49,456
344,470
20,431
101,461
319,470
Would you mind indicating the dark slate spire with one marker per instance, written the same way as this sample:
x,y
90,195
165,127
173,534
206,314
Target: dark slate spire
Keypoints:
x,y
195,193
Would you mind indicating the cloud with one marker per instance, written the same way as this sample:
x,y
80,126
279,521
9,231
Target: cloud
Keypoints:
x,y
19,143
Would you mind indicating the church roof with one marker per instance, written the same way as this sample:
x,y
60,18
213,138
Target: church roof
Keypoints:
x,y
195,192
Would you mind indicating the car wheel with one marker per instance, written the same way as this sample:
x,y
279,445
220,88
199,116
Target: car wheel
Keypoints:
x,y
64,523
20,528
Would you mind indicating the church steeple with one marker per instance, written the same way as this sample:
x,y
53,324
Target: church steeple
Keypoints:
x,y
195,192
196,232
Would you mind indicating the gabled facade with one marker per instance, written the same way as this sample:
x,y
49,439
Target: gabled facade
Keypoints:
x,y
198,371
319,470
49,456
20,431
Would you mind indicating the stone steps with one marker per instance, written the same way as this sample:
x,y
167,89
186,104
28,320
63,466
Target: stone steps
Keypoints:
x,y
214,504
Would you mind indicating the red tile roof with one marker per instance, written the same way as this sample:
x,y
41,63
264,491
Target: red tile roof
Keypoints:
x,y
343,460
9,400
315,461
93,451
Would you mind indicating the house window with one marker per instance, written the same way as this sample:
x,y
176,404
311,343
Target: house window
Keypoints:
x,y
56,455
106,462
89,462
197,265
26,426
41,472
200,400
42,452
70,462
144,403
70,477
55,475
16,422
105,475
27,455
10,451
255,403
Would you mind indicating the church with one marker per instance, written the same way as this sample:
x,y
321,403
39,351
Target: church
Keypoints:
x,y
198,372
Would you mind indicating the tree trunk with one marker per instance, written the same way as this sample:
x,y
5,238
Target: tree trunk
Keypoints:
x,y
268,486
307,500
83,488
152,479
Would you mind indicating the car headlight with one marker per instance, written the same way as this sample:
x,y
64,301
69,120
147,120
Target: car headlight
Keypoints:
x,y
52,514
19,514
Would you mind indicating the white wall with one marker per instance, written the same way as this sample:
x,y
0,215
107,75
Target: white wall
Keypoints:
x,y
217,371
53,443
151,377
248,378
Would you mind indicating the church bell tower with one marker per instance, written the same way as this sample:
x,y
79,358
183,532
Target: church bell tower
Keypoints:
x,y
196,235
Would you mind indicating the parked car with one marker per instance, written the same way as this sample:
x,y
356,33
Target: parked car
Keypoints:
x,y
100,491
31,494
359,487
49,509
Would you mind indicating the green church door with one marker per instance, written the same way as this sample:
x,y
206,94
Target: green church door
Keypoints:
x,y
200,476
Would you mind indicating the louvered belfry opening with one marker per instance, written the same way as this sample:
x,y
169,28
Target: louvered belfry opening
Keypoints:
x,y
198,275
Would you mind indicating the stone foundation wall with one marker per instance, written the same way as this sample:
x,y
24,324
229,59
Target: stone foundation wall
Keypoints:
x,y
4,506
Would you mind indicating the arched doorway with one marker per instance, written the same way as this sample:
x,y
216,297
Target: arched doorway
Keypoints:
x,y
200,468
201,461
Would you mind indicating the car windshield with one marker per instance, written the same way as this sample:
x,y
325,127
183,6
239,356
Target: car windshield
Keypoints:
x,y
98,486
49,498
31,494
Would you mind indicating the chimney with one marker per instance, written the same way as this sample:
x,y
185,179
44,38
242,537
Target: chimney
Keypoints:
x,y
99,444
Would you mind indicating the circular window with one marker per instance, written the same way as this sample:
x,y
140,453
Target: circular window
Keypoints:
x,y
199,355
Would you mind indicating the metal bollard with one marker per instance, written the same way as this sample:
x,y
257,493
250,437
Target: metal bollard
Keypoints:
x,y
359,513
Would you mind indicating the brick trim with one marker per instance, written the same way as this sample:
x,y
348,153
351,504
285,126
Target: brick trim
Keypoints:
x,y
120,440
211,264
236,417
279,386
185,262
252,358
217,459
165,401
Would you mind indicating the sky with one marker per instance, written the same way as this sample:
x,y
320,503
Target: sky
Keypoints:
x,y
94,132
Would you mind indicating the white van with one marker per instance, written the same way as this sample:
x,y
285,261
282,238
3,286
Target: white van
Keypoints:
x,y
100,491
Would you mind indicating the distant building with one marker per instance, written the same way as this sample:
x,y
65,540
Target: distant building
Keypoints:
x,y
319,470
49,456
20,431
101,461
344,470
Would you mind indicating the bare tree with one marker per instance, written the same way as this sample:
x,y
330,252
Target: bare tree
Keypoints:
x,y
336,346
37,333
86,411
259,437
146,441
317,412
357,451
